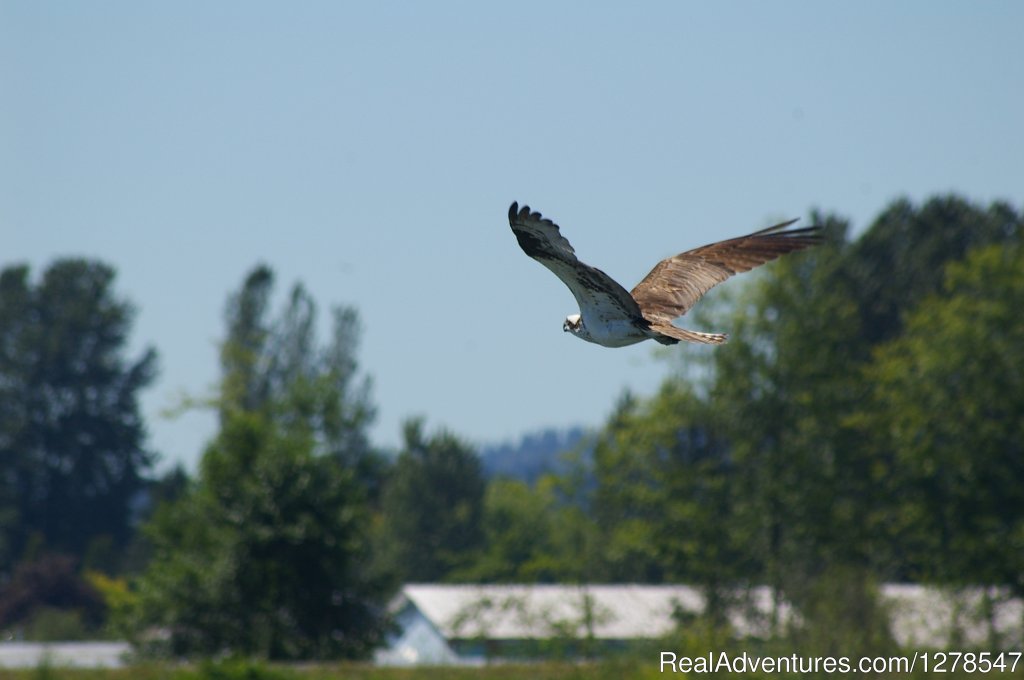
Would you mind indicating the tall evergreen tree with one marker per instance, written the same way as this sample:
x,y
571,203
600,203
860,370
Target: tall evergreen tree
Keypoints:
x,y
72,440
266,554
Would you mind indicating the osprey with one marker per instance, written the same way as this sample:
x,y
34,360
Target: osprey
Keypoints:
x,y
612,317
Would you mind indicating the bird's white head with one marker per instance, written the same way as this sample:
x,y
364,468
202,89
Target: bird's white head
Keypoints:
x,y
574,324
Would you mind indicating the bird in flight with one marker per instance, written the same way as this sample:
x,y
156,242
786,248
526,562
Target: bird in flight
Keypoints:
x,y
613,317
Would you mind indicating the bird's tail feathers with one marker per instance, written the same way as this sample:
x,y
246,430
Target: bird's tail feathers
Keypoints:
x,y
676,333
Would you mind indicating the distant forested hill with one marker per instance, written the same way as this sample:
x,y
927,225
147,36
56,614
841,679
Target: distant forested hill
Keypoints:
x,y
533,455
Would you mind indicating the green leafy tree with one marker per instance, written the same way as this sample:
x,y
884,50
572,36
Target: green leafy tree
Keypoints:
x,y
266,557
781,387
266,361
666,499
900,259
72,440
266,552
431,508
516,534
531,534
949,405
791,386
624,521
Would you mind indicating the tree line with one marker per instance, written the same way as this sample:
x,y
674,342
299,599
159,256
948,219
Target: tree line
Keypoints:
x,y
864,424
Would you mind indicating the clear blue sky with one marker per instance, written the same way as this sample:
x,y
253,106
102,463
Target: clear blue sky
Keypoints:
x,y
371,151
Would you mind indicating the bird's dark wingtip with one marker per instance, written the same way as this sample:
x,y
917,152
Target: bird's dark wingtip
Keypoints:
x,y
513,212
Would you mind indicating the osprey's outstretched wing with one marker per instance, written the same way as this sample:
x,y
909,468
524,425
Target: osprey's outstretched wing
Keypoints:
x,y
599,295
677,282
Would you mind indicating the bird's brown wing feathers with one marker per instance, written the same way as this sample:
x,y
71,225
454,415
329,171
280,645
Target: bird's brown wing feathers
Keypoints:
x,y
677,282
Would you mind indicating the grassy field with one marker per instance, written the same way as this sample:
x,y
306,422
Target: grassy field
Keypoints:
x,y
633,669
246,671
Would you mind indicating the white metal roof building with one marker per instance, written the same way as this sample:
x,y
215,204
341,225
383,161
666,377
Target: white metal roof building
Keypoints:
x,y
94,654
451,624
471,624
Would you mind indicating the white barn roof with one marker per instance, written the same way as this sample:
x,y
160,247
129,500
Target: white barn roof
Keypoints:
x,y
444,624
523,612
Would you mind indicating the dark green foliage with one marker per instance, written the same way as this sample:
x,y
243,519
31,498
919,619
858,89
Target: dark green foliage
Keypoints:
x,y
842,614
72,453
902,256
49,587
665,488
431,508
949,396
264,557
781,387
797,383
265,554
531,534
